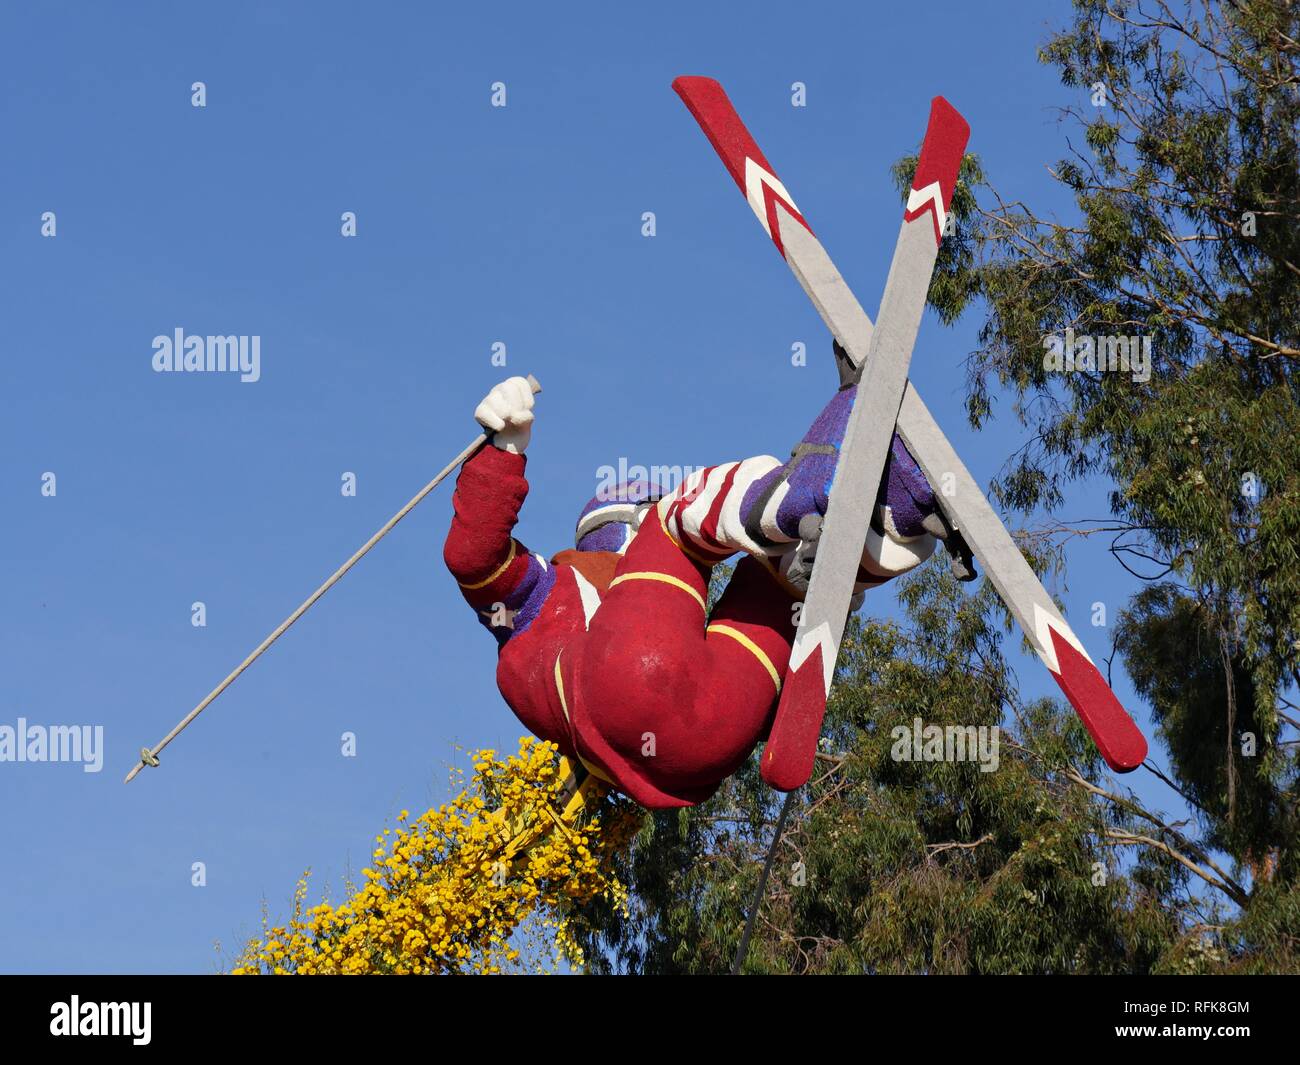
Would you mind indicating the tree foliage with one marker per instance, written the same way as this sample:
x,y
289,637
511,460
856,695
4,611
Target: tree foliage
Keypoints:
x,y
1186,181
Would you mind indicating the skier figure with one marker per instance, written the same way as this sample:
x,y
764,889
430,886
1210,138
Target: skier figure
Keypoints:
x,y
608,651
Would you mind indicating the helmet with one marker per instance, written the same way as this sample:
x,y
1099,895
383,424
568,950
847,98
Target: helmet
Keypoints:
x,y
608,522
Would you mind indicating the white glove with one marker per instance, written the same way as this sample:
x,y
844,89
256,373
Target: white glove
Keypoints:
x,y
507,413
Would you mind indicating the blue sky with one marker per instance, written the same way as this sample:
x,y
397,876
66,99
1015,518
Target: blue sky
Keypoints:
x,y
475,225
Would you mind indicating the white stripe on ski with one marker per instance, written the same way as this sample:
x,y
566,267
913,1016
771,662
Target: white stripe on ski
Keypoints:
x,y
931,196
1044,625
756,178
808,641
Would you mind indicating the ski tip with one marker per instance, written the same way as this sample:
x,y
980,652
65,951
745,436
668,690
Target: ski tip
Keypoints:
x,y
1117,737
745,162
946,134
685,84
936,171
944,115
708,104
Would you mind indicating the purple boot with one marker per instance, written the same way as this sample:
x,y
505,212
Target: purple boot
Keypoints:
x,y
905,506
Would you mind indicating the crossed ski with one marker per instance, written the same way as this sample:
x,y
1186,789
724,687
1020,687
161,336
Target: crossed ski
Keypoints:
x,y
885,400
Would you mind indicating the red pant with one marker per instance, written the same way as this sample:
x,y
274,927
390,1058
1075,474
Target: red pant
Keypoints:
x,y
662,706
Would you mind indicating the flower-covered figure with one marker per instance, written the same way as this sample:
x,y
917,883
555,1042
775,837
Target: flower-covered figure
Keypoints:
x,y
609,649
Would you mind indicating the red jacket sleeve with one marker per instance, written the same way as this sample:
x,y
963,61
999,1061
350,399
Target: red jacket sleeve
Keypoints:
x,y
481,552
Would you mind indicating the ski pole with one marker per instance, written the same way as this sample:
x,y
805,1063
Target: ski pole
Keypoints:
x,y
149,756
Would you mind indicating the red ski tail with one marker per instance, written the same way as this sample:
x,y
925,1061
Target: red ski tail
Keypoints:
x,y
1112,730
792,746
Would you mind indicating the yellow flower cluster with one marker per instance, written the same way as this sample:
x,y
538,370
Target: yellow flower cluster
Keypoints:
x,y
472,886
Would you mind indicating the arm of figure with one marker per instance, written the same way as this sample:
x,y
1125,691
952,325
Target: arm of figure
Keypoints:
x,y
498,576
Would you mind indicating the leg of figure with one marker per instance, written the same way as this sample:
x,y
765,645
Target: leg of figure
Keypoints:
x,y
765,507
754,620
664,707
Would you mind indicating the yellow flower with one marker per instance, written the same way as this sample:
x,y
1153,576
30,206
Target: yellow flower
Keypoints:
x,y
440,896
